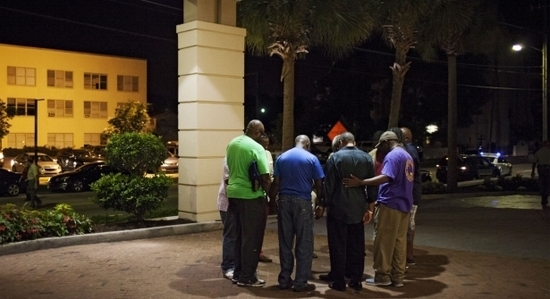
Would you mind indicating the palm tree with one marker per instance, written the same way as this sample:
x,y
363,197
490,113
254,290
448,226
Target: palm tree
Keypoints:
x,y
401,21
458,27
289,29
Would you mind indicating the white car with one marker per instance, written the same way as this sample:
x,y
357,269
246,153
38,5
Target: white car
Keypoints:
x,y
497,159
46,165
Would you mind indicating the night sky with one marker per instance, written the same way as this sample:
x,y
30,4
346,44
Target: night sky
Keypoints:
x,y
147,29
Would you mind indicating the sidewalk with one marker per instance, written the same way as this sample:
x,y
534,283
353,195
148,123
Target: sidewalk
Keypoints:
x,y
187,266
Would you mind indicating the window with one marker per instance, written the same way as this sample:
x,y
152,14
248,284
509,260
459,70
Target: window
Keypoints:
x,y
95,81
94,138
127,83
60,108
21,106
60,140
20,140
21,76
58,78
95,109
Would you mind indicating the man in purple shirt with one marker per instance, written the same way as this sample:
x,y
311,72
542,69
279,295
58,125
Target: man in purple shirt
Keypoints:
x,y
391,211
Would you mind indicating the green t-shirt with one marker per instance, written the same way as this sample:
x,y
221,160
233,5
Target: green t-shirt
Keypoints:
x,y
240,152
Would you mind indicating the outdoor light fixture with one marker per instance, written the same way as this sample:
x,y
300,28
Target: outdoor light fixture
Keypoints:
x,y
544,52
432,128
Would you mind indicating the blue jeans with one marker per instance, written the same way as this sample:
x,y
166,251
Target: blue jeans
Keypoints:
x,y
295,220
228,240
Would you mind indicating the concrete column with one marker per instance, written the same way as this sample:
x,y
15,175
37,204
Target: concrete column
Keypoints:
x,y
210,101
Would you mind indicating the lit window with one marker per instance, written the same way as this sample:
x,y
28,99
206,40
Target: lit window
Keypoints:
x,y
21,76
127,83
57,78
95,81
60,108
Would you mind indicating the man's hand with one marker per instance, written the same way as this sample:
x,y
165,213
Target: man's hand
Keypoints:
x,y
352,181
367,217
319,211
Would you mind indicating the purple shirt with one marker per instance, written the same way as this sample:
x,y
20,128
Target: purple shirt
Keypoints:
x,y
398,165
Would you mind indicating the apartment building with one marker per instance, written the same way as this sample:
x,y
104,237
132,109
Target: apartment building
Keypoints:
x,y
71,95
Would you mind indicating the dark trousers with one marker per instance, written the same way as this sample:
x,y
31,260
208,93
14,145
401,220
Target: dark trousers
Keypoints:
x,y
544,182
346,243
228,241
250,227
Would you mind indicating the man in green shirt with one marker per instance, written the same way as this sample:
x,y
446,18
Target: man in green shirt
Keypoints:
x,y
248,205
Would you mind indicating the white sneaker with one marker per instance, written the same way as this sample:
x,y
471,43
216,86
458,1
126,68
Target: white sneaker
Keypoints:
x,y
228,274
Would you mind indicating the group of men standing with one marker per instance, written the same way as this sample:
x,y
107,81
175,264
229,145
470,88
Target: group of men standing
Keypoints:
x,y
352,193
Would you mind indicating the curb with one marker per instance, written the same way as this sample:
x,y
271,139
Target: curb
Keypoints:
x,y
116,236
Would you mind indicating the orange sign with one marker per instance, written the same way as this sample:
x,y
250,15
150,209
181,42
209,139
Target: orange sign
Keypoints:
x,y
336,130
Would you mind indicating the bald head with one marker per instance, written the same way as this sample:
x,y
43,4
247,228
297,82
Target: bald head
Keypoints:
x,y
302,141
407,134
255,130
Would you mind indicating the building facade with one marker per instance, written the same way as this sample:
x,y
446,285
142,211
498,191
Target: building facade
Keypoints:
x,y
71,95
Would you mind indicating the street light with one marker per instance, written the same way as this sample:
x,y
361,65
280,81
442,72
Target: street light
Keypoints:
x,y
544,52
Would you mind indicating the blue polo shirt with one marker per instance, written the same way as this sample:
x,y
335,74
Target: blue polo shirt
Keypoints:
x,y
296,169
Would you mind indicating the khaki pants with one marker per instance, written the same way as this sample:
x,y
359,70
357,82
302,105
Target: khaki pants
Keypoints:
x,y
390,244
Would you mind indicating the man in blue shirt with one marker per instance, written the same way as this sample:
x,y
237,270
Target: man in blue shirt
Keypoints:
x,y
294,173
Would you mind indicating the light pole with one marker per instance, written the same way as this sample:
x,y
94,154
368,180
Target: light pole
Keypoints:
x,y
36,129
544,52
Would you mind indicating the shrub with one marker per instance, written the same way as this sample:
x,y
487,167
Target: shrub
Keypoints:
x,y
134,195
63,221
135,153
22,224
433,188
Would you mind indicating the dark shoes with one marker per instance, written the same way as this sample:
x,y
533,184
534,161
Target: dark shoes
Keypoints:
x,y
252,284
314,255
264,259
307,288
325,277
337,287
410,262
356,285
286,286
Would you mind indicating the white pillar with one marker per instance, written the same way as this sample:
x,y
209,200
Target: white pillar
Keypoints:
x,y
210,103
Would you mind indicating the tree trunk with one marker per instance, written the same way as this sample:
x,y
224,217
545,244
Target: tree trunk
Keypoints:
x,y
452,171
288,103
399,69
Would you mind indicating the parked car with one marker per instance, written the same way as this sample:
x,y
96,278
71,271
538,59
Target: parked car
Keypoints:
x,y
170,164
70,159
469,168
425,175
46,165
505,167
79,179
9,183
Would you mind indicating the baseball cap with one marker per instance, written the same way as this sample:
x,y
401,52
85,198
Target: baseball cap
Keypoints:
x,y
386,136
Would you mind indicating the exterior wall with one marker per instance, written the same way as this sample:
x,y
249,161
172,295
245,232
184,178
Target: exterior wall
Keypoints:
x,y
79,63
210,111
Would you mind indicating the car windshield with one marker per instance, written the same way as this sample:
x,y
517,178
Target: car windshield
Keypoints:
x,y
82,153
43,158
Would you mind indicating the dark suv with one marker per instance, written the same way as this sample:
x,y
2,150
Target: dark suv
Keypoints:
x,y
70,159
